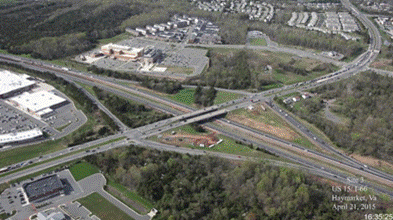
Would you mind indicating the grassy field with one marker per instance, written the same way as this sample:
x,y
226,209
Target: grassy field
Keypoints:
x,y
258,41
70,63
271,123
117,38
24,153
131,195
225,97
291,94
179,69
186,96
290,78
62,156
268,117
83,170
278,60
271,86
102,208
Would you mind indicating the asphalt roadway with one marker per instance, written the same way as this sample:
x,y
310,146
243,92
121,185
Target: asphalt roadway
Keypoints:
x,y
351,69
240,100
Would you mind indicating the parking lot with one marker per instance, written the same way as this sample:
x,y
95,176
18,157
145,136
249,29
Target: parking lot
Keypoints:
x,y
62,121
77,211
63,116
172,56
13,120
14,197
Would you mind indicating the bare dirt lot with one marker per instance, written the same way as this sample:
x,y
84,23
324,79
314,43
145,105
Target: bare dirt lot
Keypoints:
x,y
372,161
271,126
383,64
188,139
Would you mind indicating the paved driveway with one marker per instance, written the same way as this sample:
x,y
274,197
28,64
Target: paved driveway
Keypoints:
x,y
96,183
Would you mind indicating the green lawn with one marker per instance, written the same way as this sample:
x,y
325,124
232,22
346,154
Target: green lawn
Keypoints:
x,y
102,208
24,153
83,170
70,63
258,41
62,156
186,129
131,195
291,94
222,97
179,69
186,96
272,86
117,38
290,78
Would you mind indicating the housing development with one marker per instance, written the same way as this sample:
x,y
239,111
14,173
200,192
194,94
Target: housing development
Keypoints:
x,y
196,109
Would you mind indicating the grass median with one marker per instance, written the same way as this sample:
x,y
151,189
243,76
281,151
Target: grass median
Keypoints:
x,y
62,156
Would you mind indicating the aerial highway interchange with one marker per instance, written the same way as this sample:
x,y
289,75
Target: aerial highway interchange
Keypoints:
x,y
335,161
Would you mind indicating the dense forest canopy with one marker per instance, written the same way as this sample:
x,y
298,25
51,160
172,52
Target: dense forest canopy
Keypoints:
x,y
203,187
60,28
69,27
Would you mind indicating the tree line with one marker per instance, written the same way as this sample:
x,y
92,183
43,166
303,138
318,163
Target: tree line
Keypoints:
x,y
130,113
205,97
203,187
157,84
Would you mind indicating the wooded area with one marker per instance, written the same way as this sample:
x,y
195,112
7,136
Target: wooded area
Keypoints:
x,y
205,97
60,28
248,69
203,187
132,114
365,100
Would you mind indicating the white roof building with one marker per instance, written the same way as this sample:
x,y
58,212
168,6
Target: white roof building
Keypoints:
x,y
52,216
38,101
11,82
20,136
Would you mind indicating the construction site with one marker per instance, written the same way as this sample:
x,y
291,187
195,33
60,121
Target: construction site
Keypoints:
x,y
208,140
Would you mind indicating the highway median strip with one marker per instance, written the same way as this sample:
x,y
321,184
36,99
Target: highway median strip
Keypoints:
x,y
62,156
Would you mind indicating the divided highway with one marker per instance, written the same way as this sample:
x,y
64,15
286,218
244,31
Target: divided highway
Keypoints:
x,y
231,129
